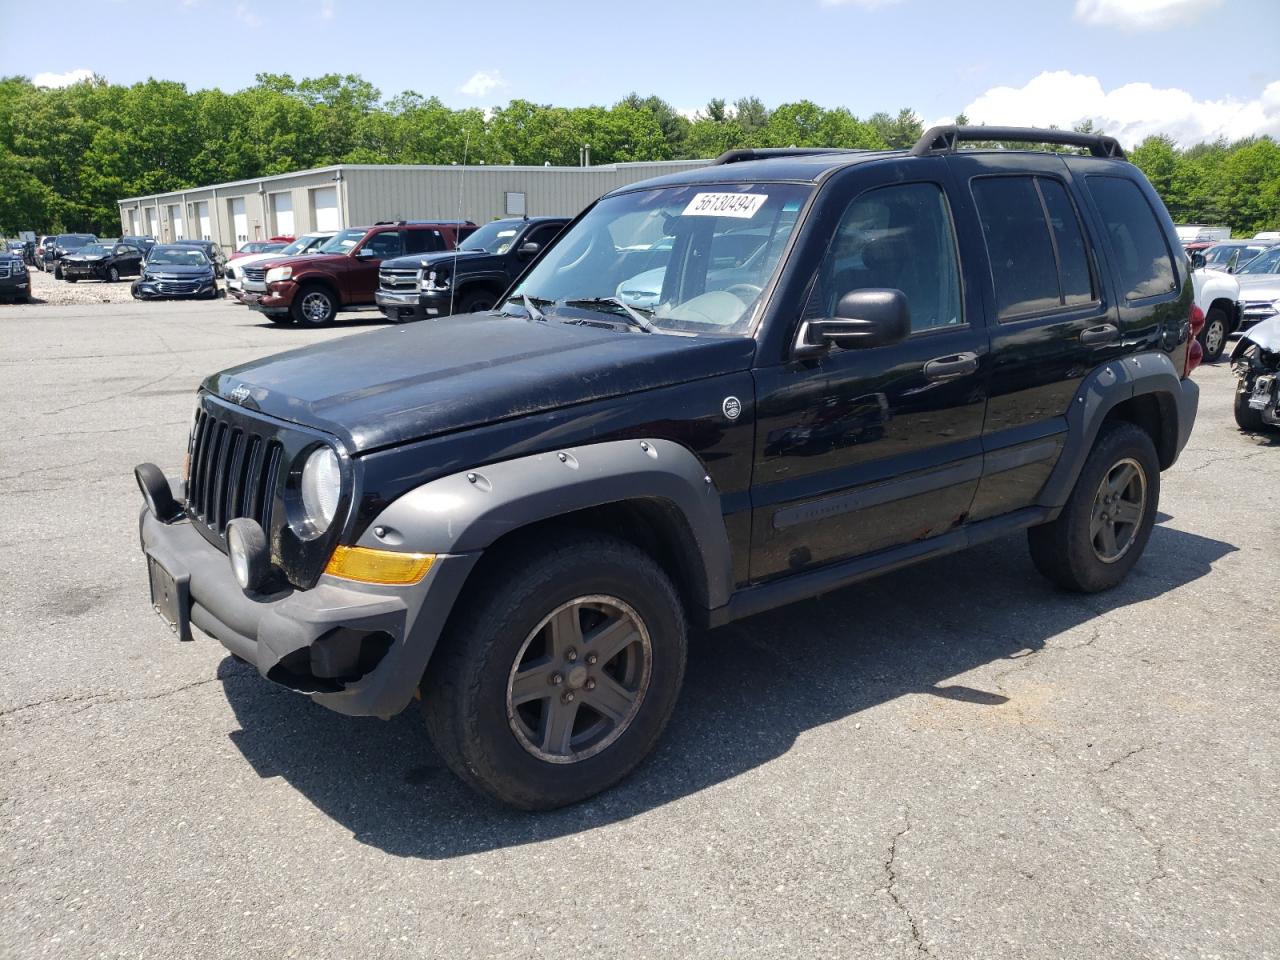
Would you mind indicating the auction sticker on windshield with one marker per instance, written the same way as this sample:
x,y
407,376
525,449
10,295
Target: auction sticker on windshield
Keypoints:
x,y
740,205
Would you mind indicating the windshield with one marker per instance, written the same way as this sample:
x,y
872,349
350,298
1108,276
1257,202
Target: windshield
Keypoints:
x,y
691,260
96,249
177,257
74,243
1263,263
495,237
343,241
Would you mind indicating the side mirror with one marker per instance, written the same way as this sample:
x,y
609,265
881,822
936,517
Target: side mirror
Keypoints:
x,y
528,250
1197,260
874,317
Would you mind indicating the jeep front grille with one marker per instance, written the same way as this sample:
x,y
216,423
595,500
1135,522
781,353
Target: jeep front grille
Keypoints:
x,y
256,274
234,472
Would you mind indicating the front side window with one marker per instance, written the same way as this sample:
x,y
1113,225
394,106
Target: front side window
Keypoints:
x,y
898,237
1039,259
495,237
1137,241
691,259
384,245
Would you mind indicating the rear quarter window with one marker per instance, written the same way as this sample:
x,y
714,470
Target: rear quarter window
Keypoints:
x,y
1141,256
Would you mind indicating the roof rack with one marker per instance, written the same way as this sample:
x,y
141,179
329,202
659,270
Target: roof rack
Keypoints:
x,y
434,223
946,139
764,153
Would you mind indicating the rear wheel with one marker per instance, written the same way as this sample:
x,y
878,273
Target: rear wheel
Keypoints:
x,y
113,275
57,271
1107,520
71,279
314,306
559,671
1213,338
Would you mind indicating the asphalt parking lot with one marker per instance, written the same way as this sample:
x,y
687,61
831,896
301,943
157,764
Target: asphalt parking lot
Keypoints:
x,y
955,760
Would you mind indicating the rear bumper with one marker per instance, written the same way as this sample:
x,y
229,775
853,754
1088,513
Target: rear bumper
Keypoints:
x,y
316,642
1188,405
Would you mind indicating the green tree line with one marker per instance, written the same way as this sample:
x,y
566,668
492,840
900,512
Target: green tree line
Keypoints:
x,y
67,155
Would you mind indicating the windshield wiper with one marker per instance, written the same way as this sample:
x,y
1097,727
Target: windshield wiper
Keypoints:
x,y
634,315
534,312
530,304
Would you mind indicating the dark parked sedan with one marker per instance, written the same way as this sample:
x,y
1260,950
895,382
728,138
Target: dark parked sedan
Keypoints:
x,y
211,250
57,247
174,270
102,261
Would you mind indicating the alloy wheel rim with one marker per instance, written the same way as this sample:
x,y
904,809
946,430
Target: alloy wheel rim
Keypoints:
x,y
315,307
1118,507
1213,337
579,679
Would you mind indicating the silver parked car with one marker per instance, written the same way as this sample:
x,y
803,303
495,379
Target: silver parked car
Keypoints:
x,y
1259,287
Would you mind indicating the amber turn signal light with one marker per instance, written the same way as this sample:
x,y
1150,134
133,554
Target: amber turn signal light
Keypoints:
x,y
365,565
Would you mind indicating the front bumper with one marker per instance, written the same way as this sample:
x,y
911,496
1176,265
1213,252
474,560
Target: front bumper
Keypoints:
x,y
15,286
1254,311
401,306
82,271
166,289
315,642
274,301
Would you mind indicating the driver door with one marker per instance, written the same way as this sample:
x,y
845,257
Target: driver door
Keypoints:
x,y
859,450
368,256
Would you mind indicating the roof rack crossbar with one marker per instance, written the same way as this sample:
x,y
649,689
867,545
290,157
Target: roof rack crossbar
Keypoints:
x,y
764,153
946,139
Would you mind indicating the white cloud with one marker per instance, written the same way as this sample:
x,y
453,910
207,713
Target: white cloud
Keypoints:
x,y
1142,14
481,82
1129,113
245,15
62,79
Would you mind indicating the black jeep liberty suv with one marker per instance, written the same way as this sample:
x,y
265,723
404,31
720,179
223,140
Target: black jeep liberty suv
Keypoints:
x,y
714,393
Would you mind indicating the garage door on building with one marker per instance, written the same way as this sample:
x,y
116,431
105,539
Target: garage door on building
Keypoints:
x,y
133,223
153,227
239,220
282,215
175,221
202,219
324,208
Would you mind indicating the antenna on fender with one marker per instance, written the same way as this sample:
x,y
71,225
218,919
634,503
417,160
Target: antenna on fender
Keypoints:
x,y
457,239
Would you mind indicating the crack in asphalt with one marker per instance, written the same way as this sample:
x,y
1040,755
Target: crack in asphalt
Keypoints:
x,y
1236,459
891,872
91,700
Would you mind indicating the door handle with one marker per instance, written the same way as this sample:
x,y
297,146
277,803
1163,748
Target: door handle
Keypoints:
x,y
1103,333
948,368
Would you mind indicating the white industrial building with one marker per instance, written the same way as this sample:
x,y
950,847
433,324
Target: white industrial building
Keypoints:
x,y
330,198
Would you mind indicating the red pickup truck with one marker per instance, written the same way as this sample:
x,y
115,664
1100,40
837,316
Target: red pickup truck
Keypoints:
x,y
343,273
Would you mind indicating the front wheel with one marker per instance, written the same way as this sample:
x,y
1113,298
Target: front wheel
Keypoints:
x,y
1213,338
57,271
558,673
1247,419
1108,518
314,306
476,301
113,275
72,279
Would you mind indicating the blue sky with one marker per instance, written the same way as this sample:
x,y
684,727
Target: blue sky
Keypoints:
x,y
1135,65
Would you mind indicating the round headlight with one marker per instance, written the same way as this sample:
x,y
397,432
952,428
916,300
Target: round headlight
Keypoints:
x,y
321,485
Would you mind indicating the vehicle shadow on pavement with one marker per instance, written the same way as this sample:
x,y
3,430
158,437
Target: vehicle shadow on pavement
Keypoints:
x,y
751,689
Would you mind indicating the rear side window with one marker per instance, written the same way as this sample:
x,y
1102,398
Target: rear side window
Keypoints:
x,y
423,241
1039,260
1138,245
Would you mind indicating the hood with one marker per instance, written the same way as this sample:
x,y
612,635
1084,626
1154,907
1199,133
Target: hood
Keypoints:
x,y
1259,286
423,379
249,259
86,257
172,270
311,259
476,259
1265,334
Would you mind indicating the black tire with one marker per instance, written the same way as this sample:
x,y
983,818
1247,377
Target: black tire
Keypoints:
x,y
71,279
314,305
477,301
57,270
1247,419
466,694
1064,549
1215,332
113,275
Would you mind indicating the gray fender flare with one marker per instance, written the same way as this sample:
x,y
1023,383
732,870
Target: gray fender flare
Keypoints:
x,y
1102,390
464,513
